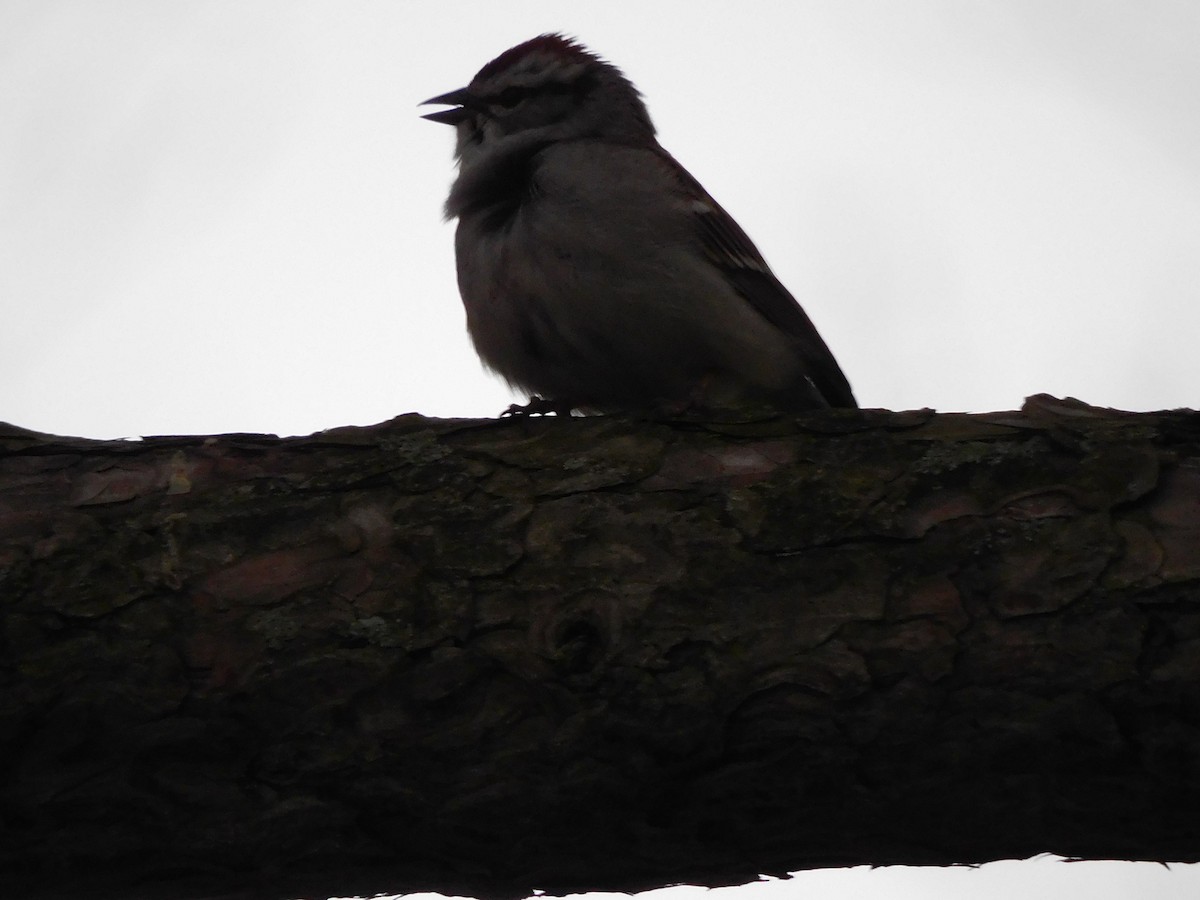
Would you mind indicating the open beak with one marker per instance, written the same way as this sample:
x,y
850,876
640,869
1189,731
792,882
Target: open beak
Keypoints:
x,y
460,100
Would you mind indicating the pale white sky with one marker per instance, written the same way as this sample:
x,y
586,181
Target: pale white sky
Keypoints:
x,y
226,216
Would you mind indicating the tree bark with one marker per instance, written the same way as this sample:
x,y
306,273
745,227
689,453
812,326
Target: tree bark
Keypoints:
x,y
488,657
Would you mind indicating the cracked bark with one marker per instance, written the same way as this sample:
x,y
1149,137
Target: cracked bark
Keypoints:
x,y
493,657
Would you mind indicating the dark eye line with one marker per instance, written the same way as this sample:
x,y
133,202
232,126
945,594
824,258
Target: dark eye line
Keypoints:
x,y
514,94
511,96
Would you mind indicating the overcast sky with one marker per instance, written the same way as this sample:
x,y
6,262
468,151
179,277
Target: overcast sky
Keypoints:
x,y
226,216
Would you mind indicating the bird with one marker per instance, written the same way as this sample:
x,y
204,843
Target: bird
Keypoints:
x,y
597,274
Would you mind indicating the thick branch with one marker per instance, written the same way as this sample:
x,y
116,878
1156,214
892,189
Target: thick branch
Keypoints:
x,y
489,657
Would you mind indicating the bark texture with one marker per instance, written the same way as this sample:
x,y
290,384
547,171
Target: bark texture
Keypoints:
x,y
488,657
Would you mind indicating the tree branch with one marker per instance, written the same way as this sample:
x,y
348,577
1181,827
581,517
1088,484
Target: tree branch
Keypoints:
x,y
566,654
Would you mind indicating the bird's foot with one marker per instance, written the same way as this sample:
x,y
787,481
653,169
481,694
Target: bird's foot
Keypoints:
x,y
539,406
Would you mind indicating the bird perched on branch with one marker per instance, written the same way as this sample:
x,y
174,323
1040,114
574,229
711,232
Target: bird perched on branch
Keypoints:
x,y
596,272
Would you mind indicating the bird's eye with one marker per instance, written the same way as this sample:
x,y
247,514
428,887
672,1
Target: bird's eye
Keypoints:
x,y
510,96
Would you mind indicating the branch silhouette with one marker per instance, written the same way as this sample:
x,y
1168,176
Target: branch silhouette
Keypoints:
x,y
489,657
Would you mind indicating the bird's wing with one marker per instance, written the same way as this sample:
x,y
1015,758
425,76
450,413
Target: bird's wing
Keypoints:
x,y
730,249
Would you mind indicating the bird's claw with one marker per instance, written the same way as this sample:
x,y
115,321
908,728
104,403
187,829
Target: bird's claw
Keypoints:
x,y
539,406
